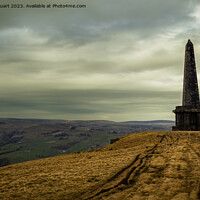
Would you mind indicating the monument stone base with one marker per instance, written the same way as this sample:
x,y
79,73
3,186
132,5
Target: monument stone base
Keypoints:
x,y
187,118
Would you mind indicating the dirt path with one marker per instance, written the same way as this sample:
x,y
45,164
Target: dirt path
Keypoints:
x,y
140,166
168,170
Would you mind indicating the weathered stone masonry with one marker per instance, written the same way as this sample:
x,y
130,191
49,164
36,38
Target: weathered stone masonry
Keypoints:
x,y
188,115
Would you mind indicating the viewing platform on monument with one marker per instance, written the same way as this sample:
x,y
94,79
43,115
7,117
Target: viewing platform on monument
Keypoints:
x,y
188,115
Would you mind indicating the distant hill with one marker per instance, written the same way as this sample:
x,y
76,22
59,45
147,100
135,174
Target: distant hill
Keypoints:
x,y
29,139
161,165
150,122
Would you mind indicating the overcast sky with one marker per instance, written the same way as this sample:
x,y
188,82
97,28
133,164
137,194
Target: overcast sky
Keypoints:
x,y
113,60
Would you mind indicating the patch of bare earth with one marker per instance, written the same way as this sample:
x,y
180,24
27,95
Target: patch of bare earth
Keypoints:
x,y
140,166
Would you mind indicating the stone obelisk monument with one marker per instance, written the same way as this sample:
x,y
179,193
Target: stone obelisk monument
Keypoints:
x,y
188,115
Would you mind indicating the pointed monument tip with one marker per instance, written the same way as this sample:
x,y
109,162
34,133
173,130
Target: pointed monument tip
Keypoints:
x,y
189,41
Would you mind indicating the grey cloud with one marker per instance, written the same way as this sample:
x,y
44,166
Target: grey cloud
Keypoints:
x,y
101,19
86,101
104,39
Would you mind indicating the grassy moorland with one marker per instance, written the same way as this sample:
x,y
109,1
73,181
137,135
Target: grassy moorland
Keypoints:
x,y
23,140
150,165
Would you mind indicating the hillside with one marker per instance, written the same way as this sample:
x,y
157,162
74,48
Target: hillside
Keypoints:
x,y
30,139
139,166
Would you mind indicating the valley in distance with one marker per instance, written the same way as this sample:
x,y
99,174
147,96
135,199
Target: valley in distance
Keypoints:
x,y
30,139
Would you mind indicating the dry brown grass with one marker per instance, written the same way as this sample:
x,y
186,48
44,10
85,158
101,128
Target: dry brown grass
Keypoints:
x,y
150,165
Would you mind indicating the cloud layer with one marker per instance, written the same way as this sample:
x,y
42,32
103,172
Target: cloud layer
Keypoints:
x,y
115,60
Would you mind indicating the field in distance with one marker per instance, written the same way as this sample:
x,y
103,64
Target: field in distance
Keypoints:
x,y
29,139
